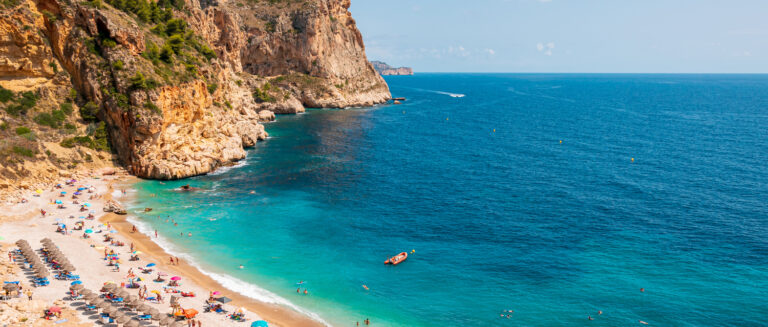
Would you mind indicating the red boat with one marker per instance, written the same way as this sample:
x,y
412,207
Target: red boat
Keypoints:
x,y
397,259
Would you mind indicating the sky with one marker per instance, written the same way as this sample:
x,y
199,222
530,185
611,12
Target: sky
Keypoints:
x,y
570,36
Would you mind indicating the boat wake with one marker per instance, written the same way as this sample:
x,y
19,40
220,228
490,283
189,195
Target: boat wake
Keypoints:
x,y
452,95
233,284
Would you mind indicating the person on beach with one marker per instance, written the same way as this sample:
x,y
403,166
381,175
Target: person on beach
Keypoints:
x,y
155,233
132,245
171,260
29,295
177,261
133,230
367,322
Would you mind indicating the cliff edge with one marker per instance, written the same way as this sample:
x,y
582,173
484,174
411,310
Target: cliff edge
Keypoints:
x,y
169,88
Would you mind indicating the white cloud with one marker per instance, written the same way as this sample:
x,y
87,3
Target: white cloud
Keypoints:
x,y
545,48
490,51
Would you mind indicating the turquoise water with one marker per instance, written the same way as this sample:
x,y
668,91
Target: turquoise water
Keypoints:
x,y
511,219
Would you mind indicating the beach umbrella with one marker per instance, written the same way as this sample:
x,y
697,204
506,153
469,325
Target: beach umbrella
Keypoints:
x,y
155,291
54,309
131,298
68,268
109,287
63,192
10,287
90,297
39,191
154,312
77,282
224,300
122,293
176,278
42,274
113,231
145,308
167,321
132,323
259,323
176,324
86,291
137,252
97,302
108,308
77,193
58,202
216,293
122,318
150,265
190,313
88,231
76,287
133,304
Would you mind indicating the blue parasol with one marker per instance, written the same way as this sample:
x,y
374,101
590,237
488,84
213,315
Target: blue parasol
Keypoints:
x,y
76,282
260,323
151,265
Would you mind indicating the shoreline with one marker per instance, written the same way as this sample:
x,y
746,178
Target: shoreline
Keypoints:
x,y
274,313
24,221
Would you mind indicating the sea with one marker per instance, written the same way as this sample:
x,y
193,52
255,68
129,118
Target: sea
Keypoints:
x,y
522,200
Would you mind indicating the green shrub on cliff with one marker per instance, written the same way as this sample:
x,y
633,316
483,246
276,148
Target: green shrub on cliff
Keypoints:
x,y
5,95
21,130
53,120
24,151
138,82
89,111
66,108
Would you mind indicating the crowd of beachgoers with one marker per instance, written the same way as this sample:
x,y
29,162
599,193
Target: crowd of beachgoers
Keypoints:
x,y
65,262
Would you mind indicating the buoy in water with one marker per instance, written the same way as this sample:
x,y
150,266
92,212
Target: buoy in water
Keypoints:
x,y
366,287
446,118
494,130
633,159
413,251
561,141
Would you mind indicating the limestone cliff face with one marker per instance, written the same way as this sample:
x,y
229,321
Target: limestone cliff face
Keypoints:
x,y
181,99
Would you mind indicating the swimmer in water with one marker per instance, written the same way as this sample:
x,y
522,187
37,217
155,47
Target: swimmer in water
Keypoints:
x,y
189,234
241,267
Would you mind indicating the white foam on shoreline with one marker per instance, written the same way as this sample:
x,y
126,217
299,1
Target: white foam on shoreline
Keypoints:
x,y
231,283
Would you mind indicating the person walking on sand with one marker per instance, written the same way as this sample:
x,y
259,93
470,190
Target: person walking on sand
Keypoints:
x,y
177,261
131,246
171,260
29,294
155,233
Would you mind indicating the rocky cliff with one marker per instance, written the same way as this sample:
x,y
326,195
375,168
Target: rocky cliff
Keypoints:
x,y
176,88
384,69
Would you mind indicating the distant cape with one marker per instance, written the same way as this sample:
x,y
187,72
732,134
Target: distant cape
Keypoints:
x,y
385,69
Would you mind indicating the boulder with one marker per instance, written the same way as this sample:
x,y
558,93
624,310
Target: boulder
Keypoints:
x,y
114,207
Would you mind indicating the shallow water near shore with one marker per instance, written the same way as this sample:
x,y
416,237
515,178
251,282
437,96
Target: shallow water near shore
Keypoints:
x,y
470,172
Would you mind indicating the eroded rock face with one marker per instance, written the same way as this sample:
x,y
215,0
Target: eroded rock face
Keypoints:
x,y
23,51
303,54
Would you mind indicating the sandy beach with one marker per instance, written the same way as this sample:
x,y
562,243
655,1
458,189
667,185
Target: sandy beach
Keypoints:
x,y
25,221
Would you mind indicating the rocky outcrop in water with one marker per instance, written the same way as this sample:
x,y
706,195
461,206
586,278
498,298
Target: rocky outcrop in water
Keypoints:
x,y
384,69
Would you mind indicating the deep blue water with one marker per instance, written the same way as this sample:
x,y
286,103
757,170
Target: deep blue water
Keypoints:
x,y
506,219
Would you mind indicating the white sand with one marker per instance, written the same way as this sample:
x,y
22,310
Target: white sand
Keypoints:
x,y
24,221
